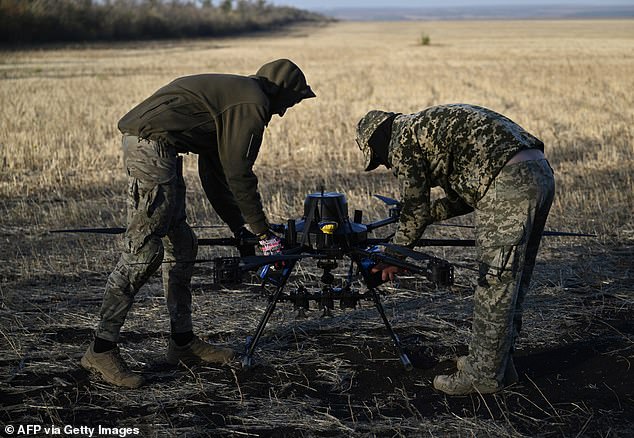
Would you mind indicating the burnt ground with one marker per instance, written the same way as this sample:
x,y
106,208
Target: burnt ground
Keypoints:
x,y
330,377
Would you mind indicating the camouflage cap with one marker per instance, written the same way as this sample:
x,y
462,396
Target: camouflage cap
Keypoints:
x,y
366,127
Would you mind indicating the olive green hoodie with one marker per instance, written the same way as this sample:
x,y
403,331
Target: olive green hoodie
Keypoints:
x,y
222,118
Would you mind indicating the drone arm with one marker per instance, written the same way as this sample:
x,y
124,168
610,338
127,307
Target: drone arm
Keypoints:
x,y
445,242
382,223
220,241
437,270
381,257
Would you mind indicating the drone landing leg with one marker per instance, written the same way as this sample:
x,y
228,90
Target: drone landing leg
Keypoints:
x,y
247,360
403,355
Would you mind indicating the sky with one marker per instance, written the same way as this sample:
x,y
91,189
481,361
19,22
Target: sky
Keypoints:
x,y
332,4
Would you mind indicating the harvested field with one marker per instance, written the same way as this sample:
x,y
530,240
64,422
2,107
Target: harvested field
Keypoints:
x,y
568,82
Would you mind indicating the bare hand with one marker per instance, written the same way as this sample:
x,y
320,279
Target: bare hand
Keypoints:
x,y
387,271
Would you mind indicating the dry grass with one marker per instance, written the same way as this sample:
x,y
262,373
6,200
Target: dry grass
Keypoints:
x,y
567,82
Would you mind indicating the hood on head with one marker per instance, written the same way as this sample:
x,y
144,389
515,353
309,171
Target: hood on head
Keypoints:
x,y
284,83
374,149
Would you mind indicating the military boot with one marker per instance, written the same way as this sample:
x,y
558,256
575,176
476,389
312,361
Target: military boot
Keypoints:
x,y
197,350
111,366
460,383
510,373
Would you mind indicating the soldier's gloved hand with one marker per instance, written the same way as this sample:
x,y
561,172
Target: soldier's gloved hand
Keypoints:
x,y
270,244
243,236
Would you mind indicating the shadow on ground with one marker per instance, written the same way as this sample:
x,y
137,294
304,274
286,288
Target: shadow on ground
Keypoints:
x,y
336,376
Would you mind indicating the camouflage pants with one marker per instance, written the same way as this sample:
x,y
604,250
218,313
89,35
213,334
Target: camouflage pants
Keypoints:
x,y
510,219
156,228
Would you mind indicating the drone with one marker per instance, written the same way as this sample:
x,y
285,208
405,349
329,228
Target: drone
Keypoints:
x,y
326,233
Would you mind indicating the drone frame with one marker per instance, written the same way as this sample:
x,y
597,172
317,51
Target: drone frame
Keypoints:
x,y
329,237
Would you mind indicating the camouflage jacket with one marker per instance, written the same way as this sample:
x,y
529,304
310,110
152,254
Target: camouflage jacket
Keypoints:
x,y
460,148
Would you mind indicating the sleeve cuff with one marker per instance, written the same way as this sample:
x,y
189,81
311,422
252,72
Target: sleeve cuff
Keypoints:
x,y
258,228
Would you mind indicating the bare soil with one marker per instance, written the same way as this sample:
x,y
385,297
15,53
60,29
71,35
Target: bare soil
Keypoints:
x,y
334,376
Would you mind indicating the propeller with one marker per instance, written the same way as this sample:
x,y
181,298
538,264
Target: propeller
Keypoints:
x,y
116,230
388,201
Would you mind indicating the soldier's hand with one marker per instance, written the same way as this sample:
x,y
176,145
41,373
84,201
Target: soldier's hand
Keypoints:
x,y
387,271
270,244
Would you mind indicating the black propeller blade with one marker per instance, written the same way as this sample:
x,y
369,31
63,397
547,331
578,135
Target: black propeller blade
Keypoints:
x,y
112,230
388,201
116,230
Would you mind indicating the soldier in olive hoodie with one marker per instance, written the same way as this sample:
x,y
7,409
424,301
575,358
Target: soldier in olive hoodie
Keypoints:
x,y
220,117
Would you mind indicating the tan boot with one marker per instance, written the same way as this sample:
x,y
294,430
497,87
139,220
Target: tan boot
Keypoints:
x,y
459,383
510,373
196,351
111,366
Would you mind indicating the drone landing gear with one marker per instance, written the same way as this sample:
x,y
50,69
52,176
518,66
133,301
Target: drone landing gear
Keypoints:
x,y
280,282
397,342
348,299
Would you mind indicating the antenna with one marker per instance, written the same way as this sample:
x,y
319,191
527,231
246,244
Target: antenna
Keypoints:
x,y
321,204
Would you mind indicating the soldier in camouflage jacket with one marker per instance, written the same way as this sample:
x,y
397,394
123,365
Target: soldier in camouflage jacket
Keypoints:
x,y
485,163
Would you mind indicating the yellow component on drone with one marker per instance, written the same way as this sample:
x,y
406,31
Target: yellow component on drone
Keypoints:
x,y
328,227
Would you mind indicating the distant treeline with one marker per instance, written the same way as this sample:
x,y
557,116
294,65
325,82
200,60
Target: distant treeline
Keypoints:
x,y
38,21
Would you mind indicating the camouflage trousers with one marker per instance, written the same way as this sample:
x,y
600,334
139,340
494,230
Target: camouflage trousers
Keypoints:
x,y
510,220
157,229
